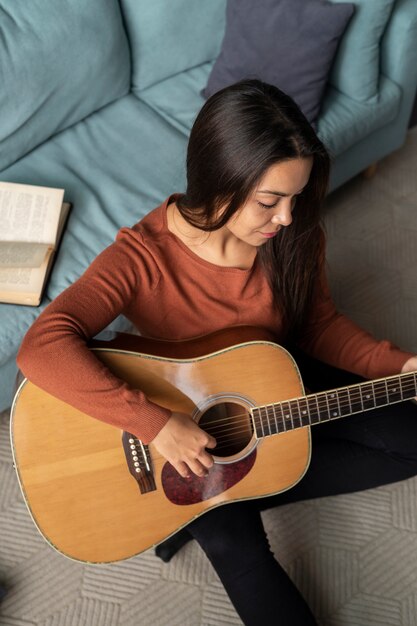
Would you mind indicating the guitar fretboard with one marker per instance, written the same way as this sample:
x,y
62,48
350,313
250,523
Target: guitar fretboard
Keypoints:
x,y
317,408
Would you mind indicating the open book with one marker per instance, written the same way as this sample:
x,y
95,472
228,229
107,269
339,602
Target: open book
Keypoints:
x,y
32,220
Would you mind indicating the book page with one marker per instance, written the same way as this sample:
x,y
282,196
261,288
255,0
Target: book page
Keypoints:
x,y
22,254
29,213
24,285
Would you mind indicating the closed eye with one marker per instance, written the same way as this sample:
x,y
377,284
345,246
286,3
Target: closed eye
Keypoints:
x,y
267,206
271,206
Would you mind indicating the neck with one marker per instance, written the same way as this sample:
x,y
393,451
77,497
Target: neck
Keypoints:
x,y
219,247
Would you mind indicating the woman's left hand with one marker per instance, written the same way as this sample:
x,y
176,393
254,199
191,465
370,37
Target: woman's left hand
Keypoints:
x,y
410,366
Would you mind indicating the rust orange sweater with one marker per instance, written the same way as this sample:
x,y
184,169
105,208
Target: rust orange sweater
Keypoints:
x,y
168,292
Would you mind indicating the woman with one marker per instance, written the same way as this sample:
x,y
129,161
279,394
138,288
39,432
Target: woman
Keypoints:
x,y
242,246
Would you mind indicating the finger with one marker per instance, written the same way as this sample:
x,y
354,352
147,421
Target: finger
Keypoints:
x,y
182,469
206,459
212,443
197,468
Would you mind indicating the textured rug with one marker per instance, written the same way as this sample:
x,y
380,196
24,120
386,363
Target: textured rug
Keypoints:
x,y
354,557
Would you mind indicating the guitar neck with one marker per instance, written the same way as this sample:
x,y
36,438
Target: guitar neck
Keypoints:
x,y
317,408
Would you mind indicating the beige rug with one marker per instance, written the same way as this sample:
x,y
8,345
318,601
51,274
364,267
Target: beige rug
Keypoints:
x,y
354,557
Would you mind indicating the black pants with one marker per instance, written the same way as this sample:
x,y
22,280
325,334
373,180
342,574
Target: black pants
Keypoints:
x,y
351,454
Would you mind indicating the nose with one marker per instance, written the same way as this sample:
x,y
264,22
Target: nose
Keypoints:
x,y
283,215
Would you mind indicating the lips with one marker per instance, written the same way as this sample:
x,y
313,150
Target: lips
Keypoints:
x,y
270,234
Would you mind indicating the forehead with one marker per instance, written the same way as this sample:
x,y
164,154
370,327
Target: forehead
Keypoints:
x,y
287,176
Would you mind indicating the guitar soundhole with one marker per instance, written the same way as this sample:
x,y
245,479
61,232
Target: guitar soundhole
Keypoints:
x,y
230,424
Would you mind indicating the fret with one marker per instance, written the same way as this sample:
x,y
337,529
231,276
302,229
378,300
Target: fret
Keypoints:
x,y
338,403
265,421
296,413
380,392
257,421
367,396
285,415
276,429
291,415
272,422
334,408
261,417
401,388
305,418
313,409
345,405
328,406
324,412
298,416
318,408
348,397
408,385
355,399
280,418
393,389
261,422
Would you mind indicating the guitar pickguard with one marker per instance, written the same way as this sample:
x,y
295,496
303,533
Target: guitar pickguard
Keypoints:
x,y
195,489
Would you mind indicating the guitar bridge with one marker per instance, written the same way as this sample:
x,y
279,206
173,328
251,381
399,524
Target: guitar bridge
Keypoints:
x,y
139,462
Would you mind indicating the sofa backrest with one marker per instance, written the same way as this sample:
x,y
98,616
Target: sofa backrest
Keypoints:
x,y
170,36
356,68
59,62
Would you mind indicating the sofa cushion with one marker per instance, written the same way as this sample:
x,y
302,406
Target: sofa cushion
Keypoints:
x,y
59,62
288,43
168,37
15,320
178,99
104,165
357,64
344,122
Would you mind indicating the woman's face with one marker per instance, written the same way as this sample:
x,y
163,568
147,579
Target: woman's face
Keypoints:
x,y
269,207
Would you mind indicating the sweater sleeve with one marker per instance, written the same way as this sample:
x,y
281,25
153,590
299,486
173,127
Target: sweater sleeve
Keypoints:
x,y
55,357
335,339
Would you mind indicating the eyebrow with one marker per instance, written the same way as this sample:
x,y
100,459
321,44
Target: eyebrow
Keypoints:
x,y
279,193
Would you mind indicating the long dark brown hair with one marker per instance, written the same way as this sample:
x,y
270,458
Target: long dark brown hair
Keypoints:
x,y
238,134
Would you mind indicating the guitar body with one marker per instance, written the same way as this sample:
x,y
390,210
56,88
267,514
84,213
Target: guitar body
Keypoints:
x,y
78,478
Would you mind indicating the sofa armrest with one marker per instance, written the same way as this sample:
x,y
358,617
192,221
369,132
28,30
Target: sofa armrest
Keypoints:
x,y
399,45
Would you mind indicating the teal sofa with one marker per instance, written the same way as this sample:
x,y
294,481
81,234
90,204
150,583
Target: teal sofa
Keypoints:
x,y
98,97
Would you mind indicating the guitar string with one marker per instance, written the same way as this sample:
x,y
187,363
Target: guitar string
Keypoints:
x,y
235,428
321,398
324,395
230,435
226,438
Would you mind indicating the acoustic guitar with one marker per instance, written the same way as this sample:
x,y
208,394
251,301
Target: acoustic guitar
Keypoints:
x,y
97,494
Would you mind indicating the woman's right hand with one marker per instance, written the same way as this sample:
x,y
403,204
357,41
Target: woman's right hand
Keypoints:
x,y
183,443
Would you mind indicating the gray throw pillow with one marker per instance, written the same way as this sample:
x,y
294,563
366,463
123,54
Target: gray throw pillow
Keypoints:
x,y
288,43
